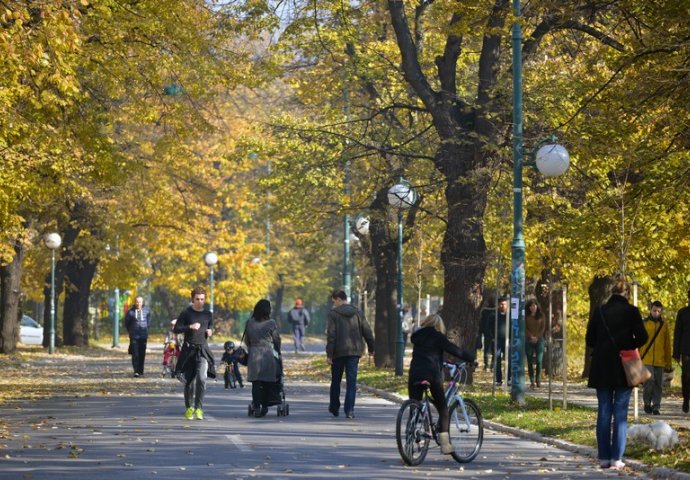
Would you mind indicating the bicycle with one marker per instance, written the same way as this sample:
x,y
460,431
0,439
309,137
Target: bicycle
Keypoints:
x,y
415,426
171,352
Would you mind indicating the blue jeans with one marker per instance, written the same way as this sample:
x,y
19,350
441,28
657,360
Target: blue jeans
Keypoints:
x,y
612,403
349,366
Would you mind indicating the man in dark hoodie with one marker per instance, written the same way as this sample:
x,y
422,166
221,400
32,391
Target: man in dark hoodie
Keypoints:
x,y
346,333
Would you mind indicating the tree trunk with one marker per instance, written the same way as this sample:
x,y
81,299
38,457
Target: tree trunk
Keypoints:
x,y
166,299
278,302
79,273
10,296
383,259
599,291
466,131
464,258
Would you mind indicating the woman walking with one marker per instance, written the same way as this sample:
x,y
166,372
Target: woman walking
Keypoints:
x,y
264,367
615,326
534,336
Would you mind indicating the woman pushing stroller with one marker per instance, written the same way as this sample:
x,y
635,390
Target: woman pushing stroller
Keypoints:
x,y
264,367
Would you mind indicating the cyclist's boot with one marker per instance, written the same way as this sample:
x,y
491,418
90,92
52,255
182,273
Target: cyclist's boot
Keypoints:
x,y
444,440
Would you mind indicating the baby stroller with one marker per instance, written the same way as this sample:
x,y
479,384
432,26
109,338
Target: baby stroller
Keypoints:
x,y
275,395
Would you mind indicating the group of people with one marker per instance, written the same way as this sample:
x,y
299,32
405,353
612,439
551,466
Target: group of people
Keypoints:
x,y
492,338
347,334
617,326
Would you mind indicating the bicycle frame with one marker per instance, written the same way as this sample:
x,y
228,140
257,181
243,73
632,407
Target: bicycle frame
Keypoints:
x,y
458,376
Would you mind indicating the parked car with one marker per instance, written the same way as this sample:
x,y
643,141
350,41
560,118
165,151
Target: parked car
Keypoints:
x,y
30,332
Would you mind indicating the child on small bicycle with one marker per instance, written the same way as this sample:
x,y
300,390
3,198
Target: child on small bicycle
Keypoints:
x,y
429,344
232,369
171,349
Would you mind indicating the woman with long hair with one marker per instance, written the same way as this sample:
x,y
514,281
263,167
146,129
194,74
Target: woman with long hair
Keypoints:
x,y
264,367
613,327
430,343
534,340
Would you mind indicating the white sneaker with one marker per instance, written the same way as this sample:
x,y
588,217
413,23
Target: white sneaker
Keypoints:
x,y
617,465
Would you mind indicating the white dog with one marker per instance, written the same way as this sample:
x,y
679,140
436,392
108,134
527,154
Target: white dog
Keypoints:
x,y
657,435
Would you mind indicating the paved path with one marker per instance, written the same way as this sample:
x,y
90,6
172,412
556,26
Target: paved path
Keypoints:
x,y
145,436
140,433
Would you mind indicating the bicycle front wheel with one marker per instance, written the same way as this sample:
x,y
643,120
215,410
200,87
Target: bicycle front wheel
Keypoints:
x,y
466,431
412,432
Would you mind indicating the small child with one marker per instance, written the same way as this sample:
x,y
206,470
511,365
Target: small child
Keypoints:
x,y
232,368
171,346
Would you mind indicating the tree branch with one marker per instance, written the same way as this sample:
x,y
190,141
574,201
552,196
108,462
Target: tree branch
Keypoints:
x,y
447,64
412,70
589,30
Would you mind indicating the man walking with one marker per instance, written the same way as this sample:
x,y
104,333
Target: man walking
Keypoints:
x,y
346,333
656,355
137,323
299,319
681,350
485,337
196,359
501,341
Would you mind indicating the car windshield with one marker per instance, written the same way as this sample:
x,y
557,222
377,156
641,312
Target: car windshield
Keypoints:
x,y
29,322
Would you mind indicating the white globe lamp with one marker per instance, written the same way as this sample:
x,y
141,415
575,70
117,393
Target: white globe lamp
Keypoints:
x,y
552,160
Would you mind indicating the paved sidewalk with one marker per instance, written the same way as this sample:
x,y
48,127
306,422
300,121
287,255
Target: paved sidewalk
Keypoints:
x,y
580,394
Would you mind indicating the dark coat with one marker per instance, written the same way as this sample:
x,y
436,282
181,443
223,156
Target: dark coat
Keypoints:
x,y
138,329
681,334
627,329
429,345
195,345
263,340
346,332
190,355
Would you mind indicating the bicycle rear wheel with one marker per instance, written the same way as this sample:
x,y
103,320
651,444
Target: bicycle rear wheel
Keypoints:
x,y
466,434
412,432
172,363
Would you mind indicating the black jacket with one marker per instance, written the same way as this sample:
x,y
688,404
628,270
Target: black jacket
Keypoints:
x,y
195,345
429,345
681,334
627,329
138,329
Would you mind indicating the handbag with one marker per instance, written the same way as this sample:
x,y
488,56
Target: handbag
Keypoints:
x,y
635,371
242,354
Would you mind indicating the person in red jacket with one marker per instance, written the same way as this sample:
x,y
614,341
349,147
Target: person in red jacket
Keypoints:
x,y
429,343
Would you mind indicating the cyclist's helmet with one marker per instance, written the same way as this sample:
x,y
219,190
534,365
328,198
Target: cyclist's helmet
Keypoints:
x,y
229,345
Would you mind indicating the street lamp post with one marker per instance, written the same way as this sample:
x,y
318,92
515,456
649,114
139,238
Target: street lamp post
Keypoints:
x,y
211,259
551,160
116,312
401,196
53,242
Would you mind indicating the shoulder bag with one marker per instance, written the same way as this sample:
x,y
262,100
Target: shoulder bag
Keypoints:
x,y
242,354
635,371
